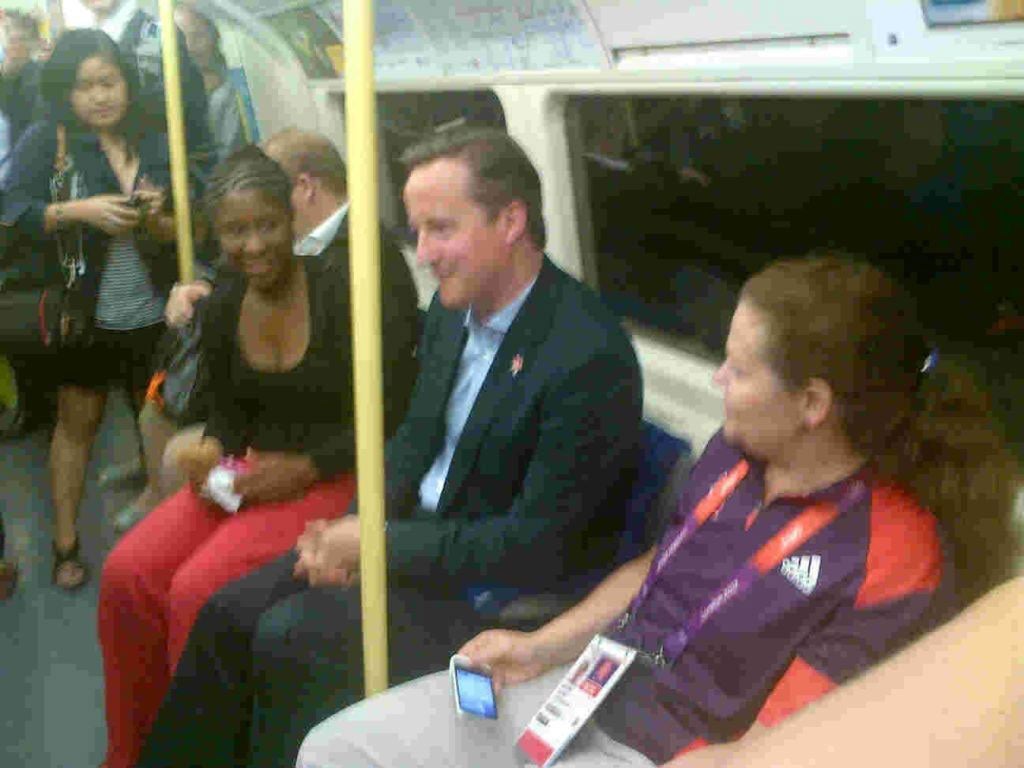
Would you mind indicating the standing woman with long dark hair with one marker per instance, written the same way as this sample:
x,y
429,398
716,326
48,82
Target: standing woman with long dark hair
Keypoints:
x,y
103,216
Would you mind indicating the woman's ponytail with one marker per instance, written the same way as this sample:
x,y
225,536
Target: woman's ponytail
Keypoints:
x,y
951,454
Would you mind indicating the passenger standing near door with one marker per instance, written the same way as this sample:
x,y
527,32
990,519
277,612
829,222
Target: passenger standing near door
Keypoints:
x,y
510,469
137,33
19,74
113,228
224,104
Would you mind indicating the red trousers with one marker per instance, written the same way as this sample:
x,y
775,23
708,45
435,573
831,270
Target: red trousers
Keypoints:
x,y
159,576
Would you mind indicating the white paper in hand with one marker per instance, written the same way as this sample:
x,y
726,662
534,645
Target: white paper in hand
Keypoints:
x,y
220,487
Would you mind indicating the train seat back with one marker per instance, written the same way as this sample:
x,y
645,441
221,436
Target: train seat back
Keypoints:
x,y
664,464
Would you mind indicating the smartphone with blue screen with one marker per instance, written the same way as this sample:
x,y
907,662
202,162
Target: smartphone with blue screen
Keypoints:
x,y
473,687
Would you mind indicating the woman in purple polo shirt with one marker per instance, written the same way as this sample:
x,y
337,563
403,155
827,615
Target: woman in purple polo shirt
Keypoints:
x,y
855,496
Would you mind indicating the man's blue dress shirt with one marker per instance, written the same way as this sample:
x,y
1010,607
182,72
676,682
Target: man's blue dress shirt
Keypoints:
x,y
482,343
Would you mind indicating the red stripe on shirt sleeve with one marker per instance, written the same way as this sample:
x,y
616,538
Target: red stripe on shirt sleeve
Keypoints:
x,y
798,687
904,552
693,746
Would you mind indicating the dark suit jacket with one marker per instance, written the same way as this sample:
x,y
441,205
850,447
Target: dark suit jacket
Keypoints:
x,y
400,319
536,487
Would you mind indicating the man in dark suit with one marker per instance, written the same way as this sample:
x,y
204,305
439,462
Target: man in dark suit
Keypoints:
x,y
509,471
320,203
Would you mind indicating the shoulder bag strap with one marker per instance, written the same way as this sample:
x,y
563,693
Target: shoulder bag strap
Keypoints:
x,y
69,242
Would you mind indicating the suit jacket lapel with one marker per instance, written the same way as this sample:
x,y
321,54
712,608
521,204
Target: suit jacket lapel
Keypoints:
x,y
527,332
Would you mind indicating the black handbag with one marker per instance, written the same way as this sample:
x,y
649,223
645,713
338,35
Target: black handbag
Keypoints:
x,y
39,314
179,385
30,319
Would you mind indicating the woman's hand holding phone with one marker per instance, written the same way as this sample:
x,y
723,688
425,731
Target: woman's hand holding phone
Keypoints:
x,y
110,213
148,197
151,203
511,656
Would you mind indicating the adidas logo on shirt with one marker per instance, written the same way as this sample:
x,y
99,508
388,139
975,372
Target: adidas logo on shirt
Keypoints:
x,y
802,571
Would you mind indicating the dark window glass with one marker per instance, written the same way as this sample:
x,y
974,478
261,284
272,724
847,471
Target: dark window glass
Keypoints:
x,y
686,197
405,118
682,198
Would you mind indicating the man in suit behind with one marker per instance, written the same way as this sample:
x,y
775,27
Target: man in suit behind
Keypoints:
x,y
509,470
320,202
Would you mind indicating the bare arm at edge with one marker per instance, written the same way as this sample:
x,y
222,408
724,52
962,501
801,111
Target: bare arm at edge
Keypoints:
x,y
953,698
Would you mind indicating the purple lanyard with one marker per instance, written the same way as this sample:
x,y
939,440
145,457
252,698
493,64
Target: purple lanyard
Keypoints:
x,y
791,537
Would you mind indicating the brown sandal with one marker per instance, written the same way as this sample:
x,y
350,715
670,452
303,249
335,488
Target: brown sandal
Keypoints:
x,y
8,579
69,572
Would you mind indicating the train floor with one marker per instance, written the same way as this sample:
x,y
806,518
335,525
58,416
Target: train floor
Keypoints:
x,y
51,678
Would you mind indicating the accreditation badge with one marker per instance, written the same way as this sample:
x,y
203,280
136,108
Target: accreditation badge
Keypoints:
x,y
575,699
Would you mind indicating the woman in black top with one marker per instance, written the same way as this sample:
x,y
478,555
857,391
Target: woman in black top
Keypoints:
x,y
104,219
278,345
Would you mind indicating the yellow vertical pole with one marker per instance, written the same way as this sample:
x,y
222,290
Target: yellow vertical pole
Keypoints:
x,y
363,217
176,138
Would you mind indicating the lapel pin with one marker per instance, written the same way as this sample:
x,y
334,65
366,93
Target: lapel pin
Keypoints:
x,y
517,365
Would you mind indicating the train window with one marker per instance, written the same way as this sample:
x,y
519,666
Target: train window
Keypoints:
x,y
683,197
405,118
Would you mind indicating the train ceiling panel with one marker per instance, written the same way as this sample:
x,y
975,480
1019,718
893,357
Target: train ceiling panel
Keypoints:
x,y
431,39
424,38
662,23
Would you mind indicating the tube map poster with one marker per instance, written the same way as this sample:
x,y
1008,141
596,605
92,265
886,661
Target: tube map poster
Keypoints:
x,y
424,38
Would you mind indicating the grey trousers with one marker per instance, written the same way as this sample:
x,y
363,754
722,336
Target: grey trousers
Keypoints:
x,y
415,726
